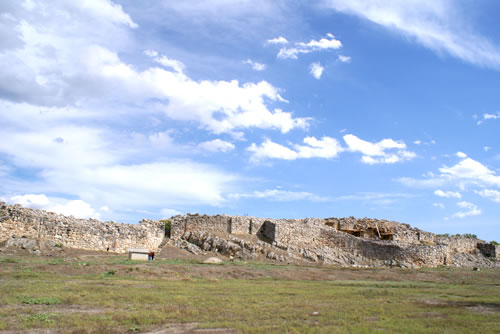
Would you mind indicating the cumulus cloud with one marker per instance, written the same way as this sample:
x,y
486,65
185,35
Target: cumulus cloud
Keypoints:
x,y
280,196
436,24
327,43
87,52
469,171
466,174
447,194
376,153
76,208
487,117
470,210
491,194
255,65
461,155
316,70
326,147
216,145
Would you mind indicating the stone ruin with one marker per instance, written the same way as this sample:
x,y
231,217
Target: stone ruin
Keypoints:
x,y
338,241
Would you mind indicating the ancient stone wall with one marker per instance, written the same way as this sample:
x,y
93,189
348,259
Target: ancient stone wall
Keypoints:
x,y
343,241
489,250
458,243
90,234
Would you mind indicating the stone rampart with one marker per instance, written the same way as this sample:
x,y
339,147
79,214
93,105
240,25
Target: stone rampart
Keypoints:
x,y
342,241
90,234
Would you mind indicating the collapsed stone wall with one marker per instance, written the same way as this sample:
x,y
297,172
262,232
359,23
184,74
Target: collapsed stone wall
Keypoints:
x,y
89,234
343,241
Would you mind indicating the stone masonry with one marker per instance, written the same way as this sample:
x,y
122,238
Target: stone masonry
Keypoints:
x,y
340,241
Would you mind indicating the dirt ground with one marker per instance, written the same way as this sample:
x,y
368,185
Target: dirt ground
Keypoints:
x,y
173,263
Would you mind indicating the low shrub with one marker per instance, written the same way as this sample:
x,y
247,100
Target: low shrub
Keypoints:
x,y
40,301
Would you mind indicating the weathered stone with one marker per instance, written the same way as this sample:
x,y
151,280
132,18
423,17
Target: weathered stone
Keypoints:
x,y
347,241
213,260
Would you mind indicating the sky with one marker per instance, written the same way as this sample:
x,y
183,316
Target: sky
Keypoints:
x,y
122,110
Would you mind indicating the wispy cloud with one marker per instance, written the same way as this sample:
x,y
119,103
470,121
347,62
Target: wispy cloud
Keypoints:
x,y
280,195
255,65
327,43
278,40
447,194
470,210
344,59
436,24
491,194
487,117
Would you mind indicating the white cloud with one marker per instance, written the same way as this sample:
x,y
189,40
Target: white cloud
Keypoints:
x,y
472,210
35,201
344,59
176,65
95,164
486,148
167,213
417,142
87,52
280,196
488,116
438,205
76,208
300,47
375,199
374,153
316,70
447,194
326,147
105,9
216,145
491,194
470,171
278,40
461,155
436,24
467,172
255,65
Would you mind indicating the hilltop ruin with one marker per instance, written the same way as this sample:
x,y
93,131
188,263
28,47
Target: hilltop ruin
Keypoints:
x,y
337,241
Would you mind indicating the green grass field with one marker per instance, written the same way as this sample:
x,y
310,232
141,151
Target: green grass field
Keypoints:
x,y
111,294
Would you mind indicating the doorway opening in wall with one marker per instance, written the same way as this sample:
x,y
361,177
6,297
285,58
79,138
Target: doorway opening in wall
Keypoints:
x,y
168,227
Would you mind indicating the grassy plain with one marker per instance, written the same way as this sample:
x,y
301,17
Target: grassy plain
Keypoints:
x,y
108,294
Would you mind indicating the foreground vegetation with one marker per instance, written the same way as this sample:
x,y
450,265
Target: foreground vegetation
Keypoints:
x,y
102,294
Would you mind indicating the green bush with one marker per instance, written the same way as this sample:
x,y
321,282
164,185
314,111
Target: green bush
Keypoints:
x,y
109,273
40,317
470,236
168,227
493,242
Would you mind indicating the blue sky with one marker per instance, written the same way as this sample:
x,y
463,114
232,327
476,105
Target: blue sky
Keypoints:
x,y
122,110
